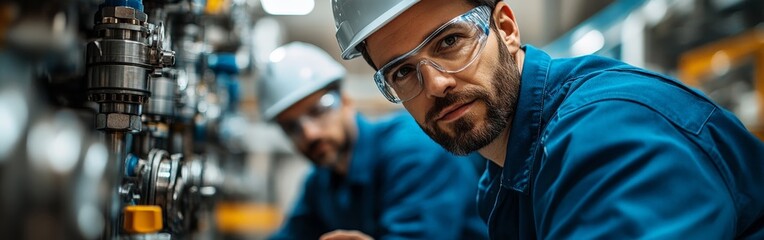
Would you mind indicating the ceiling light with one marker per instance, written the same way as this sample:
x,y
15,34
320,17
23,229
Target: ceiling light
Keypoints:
x,y
288,7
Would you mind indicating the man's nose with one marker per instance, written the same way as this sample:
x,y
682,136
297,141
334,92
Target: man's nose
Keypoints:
x,y
436,84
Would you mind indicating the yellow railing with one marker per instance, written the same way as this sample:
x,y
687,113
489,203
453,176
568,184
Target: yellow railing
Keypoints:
x,y
247,218
697,64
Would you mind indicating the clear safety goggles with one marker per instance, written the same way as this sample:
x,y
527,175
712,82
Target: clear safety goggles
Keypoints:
x,y
317,114
451,48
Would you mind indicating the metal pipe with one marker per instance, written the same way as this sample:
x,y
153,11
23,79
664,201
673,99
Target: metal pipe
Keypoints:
x,y
116,144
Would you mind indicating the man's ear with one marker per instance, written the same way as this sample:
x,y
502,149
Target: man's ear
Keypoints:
x,y
506,25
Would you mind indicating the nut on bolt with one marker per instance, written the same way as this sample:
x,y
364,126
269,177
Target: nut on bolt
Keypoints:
x,y
167,58
118,122
123,13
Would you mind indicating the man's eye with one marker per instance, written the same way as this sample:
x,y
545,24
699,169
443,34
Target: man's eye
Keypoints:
x,y
317,111
402,72
449,41
290,127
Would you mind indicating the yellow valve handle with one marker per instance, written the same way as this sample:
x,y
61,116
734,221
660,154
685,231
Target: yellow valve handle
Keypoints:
x,y
142,219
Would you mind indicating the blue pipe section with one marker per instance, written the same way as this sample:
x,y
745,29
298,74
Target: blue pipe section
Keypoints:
x,y
135,4
130,163
225,68
223,63
611,16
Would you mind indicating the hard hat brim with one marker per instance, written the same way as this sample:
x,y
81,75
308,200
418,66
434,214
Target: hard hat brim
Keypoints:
x,y
344,31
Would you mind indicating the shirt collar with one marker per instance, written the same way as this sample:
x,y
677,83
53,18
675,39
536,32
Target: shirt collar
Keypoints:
x,y
361,159
526,123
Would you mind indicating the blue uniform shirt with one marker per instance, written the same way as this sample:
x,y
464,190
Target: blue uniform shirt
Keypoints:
x,y
602,150
400,185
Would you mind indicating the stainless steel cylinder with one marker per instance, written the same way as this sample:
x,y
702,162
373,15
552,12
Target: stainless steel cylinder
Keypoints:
x,y
120,51
164,92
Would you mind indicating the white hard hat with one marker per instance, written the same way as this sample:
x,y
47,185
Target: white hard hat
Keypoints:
x,y
293,72
355,20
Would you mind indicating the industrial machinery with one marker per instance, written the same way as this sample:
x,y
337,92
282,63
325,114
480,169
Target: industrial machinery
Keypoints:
x,y
113,113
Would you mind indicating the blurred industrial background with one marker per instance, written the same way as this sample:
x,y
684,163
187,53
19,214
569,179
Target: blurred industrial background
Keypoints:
x,y
138,119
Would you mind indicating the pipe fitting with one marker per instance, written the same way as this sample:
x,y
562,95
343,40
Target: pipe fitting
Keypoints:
x,y
118,122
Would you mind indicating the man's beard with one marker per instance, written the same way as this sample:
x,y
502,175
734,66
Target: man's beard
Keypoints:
x,y
500,107
329,158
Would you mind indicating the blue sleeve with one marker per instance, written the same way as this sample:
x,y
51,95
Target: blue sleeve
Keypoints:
x,y
619,170
426,194
302,222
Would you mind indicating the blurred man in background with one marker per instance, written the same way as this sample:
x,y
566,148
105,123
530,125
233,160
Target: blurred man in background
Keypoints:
x,y
383,179
580,148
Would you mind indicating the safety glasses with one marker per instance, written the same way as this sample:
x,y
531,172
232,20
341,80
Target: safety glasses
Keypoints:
x,y
317,114
451,48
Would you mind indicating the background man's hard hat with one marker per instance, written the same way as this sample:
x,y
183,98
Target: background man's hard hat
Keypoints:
x,y
293,72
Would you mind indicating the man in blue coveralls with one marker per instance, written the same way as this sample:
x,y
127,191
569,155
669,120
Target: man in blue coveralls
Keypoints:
x,y
385,179
581,148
